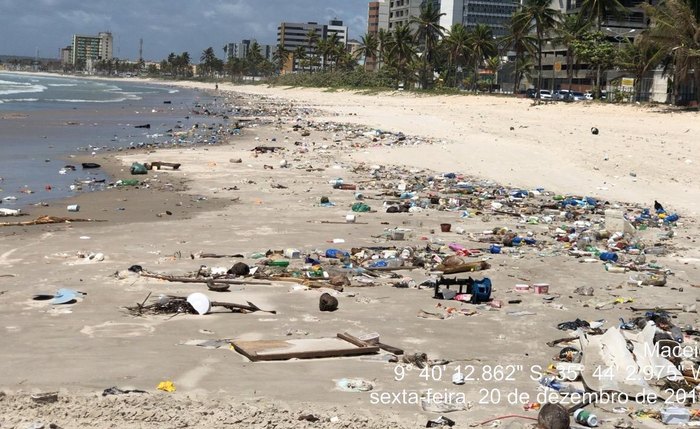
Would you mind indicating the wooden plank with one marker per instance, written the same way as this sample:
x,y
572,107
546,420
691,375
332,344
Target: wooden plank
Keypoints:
x,y
352,339
390,349
358,342
270,350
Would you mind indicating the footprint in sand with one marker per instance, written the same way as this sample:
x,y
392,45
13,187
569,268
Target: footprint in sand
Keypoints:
x,y
191,379
118,330
5,258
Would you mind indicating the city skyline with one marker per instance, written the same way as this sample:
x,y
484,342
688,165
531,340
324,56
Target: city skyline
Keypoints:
x,y
188,26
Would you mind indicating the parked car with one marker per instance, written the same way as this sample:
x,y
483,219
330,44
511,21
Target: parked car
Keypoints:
x,y
531,93
576,96
545,94
561,94
589,95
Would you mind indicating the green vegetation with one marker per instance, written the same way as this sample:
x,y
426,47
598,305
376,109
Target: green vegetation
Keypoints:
x,y
357,78
424,55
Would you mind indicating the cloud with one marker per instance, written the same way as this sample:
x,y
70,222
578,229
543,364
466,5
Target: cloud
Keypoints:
x,y
165,25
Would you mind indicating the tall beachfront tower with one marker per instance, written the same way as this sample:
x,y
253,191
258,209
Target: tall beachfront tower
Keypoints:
x,y
291,36
401,11
377,19
91,48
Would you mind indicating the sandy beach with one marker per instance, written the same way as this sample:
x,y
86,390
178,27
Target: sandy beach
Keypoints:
x,y
229,199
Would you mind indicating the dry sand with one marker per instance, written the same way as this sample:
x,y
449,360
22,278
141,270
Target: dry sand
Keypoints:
x,y
81,349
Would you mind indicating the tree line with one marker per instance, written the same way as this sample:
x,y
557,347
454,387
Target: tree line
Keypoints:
x,y
423,52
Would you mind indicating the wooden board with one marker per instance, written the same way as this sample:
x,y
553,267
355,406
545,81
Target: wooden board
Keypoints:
x,y
304,348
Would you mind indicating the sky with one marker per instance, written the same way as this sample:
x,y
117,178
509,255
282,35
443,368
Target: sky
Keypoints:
x,y
165,25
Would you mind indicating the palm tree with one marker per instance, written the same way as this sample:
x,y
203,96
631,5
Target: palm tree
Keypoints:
x,y
330,49
280,58
300,57
208,58
401,51
544,18
458,48
482,45
312,44
185,63
383,40
428,34
526,66
254,58
597,11
568,30
369,45
172,63
639,57
519,38
676,29
494,64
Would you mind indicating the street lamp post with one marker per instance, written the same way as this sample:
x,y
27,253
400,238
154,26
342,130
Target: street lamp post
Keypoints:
x,y
620,36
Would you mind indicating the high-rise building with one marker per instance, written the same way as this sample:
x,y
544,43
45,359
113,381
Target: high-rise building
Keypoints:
x,y
291,36
377,19
65,54
93,48
401,11
494,13
241,50
336,27
378,16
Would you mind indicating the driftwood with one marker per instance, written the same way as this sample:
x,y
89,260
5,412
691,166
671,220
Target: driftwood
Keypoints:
x,y
406,267
358,342
561,340
502,212
464,268
159,164
230,305
337,222
46,220
206,281
213,256
655,309
178,304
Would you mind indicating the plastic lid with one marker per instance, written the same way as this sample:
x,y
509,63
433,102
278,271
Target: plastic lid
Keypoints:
x,y
199,302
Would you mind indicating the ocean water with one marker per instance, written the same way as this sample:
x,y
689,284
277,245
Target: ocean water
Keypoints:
x,y
44,120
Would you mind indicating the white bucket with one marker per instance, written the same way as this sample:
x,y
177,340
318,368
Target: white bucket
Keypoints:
x,y
73,208
292,253
350,218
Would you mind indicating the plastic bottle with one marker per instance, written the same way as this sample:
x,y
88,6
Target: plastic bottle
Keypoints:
x,y
278,263
608,256
381,263
615,269
335,253
584,417
677,334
